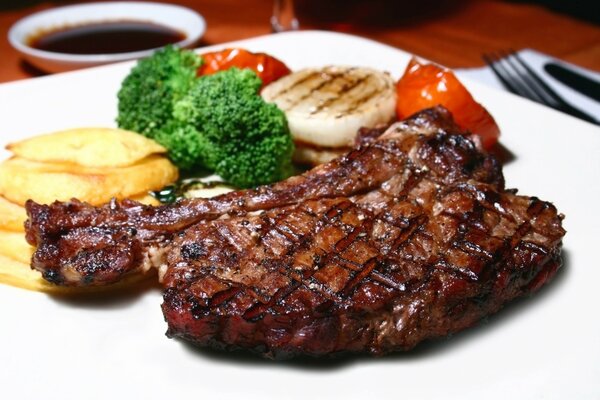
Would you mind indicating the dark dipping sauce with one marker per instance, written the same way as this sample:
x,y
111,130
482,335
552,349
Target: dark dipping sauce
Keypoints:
x,y
106,37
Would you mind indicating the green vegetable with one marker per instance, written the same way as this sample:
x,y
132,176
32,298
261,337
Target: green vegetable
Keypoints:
x,y
217,122
147,97
245,140
189,188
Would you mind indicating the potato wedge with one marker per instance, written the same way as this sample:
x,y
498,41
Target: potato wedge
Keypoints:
x,y
90,147
12,216
13,245
22,179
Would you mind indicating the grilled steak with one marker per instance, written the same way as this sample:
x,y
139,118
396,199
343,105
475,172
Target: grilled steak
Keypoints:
x,y
409,236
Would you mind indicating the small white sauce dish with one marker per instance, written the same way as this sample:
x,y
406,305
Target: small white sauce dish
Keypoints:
x,y
184,20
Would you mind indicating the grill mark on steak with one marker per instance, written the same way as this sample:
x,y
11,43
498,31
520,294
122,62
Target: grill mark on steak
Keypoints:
x,y
410,236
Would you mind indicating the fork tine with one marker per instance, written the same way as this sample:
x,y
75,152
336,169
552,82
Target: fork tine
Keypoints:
x,y
538,81
513,82
532,81
532,92
535,92
491,60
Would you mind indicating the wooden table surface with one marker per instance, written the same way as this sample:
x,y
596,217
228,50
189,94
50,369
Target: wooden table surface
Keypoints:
x,y
455,35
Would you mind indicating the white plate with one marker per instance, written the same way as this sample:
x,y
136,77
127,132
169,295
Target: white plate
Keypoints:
x,y
546,346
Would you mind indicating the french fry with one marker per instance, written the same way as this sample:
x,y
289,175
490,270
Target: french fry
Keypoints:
x,y
13,245
12,216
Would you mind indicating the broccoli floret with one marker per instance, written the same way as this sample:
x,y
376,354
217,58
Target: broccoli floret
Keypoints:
x,y
242,138
216,122
147,96
186,148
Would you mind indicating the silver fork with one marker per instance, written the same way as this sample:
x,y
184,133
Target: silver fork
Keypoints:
x,y
520,79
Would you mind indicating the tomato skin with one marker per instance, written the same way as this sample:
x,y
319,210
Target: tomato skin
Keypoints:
x,y
427,85
267,68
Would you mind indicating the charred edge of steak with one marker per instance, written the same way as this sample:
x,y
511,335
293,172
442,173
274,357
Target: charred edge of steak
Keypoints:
x,y
77,244
85,255
322,335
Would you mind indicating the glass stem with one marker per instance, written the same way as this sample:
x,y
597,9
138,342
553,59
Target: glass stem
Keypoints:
x,y
284,18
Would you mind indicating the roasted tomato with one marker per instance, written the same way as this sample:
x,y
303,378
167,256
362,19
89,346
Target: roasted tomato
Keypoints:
x,y
428,85
266,67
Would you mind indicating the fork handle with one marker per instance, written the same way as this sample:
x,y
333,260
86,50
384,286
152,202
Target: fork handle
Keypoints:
x,y
569,109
